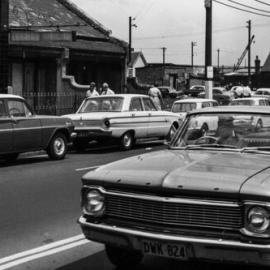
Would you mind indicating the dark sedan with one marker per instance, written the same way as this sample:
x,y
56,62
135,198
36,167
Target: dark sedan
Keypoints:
x,y
206,198
21,130
219,94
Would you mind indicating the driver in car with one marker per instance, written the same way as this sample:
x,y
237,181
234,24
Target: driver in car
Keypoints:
x,y
226,133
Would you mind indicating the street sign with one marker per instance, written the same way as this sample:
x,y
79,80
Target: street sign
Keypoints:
x,y
210,72
28,35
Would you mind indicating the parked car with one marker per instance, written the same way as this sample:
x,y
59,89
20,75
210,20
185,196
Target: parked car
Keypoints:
x,y
252,101
124,118
205,198
195,90
168,91
220,94
263,92
21,130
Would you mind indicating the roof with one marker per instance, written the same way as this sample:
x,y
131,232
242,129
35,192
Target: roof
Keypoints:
x,y
62,15
9,96
234,109
266,66
189,100
135,56
120,95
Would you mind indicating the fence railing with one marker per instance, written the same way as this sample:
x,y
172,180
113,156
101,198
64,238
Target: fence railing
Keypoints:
x,y
54,103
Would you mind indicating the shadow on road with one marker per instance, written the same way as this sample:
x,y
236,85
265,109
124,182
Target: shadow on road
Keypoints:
x,y
99,261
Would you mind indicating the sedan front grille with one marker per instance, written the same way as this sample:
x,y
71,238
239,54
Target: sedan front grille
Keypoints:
x,y
182,213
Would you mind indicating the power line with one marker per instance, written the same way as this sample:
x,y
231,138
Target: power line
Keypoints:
x,y
245,10
146,11
262,2
247,6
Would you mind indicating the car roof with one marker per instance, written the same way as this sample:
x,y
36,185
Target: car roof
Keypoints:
x,y
251,98
194,100
120,95
233,109
263,89
10,96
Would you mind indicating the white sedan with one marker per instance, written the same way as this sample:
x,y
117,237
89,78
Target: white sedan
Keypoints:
x,y
123,117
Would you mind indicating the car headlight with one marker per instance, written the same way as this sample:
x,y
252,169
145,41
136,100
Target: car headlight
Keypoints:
x,y
93,203
258,219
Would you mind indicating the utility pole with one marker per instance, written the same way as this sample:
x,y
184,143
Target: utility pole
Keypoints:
x,y
163,54
208,49
218,51
249,50
192,53
4,26
130,19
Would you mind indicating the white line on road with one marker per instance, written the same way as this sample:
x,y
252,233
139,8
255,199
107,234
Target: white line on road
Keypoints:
x,y
87,168
43,254
42,248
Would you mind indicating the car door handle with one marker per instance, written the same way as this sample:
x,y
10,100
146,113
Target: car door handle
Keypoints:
x,y
149,114
133,114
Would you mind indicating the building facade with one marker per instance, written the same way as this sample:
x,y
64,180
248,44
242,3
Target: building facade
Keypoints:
x,y
56,50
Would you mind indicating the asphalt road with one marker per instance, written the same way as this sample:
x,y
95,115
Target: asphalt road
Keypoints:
x,y
39,206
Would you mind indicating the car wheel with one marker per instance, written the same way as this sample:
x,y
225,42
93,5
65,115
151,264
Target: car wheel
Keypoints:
x,y
204,129
80,145
57,148
259,125
11,157
123,257
171,133
127,141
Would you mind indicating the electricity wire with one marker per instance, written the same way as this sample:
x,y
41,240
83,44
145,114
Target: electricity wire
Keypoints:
x,y
262,2
247,6
241,9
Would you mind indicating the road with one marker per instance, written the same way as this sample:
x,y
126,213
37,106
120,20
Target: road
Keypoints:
x,y
39,206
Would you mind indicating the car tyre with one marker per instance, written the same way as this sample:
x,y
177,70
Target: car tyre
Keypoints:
x,y
122,257
171,133
57,148
204,128
259,125
11,157
127,140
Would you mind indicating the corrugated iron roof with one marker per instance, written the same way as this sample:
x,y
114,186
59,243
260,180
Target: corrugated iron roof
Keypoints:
x,y
62,15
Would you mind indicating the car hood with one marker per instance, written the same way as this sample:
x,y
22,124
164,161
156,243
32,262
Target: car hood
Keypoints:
x,y
184,172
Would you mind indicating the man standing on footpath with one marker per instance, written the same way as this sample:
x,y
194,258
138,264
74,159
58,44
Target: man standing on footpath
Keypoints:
x,y
155,94
92,92
106,90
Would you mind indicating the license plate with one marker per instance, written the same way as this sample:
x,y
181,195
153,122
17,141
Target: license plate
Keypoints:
x,y
83,134
176,251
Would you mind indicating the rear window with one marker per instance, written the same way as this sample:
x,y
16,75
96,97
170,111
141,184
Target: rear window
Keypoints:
x,y
3,112
183,107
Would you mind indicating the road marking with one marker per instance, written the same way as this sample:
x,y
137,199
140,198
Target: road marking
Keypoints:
x,y
42,251
87,168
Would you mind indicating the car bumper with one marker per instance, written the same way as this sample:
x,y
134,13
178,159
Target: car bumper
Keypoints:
x,y
197,248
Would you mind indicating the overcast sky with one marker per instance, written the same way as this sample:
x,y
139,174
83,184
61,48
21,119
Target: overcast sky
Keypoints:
x,y
174,24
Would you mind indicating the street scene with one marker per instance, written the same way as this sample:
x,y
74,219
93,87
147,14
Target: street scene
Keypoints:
x,y
134,134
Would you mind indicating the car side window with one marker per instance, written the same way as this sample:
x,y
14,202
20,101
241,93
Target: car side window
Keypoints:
x,y
3,112
17,108
148,105
262,103
206,104
135,105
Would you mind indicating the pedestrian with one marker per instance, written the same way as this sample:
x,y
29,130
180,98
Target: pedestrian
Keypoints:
x,y
246,91
155,94
92,92
106,90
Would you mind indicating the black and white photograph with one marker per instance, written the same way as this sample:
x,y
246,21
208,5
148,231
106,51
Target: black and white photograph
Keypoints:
x,y
134,134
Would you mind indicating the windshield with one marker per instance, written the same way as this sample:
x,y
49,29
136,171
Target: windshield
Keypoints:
x,y
231,130
183,107
102,104
245,102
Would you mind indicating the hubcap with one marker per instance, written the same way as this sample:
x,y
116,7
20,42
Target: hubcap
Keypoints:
x,y
127,140
59,146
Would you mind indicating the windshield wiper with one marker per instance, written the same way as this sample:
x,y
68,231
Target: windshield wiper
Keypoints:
x,y
254,149
213,145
